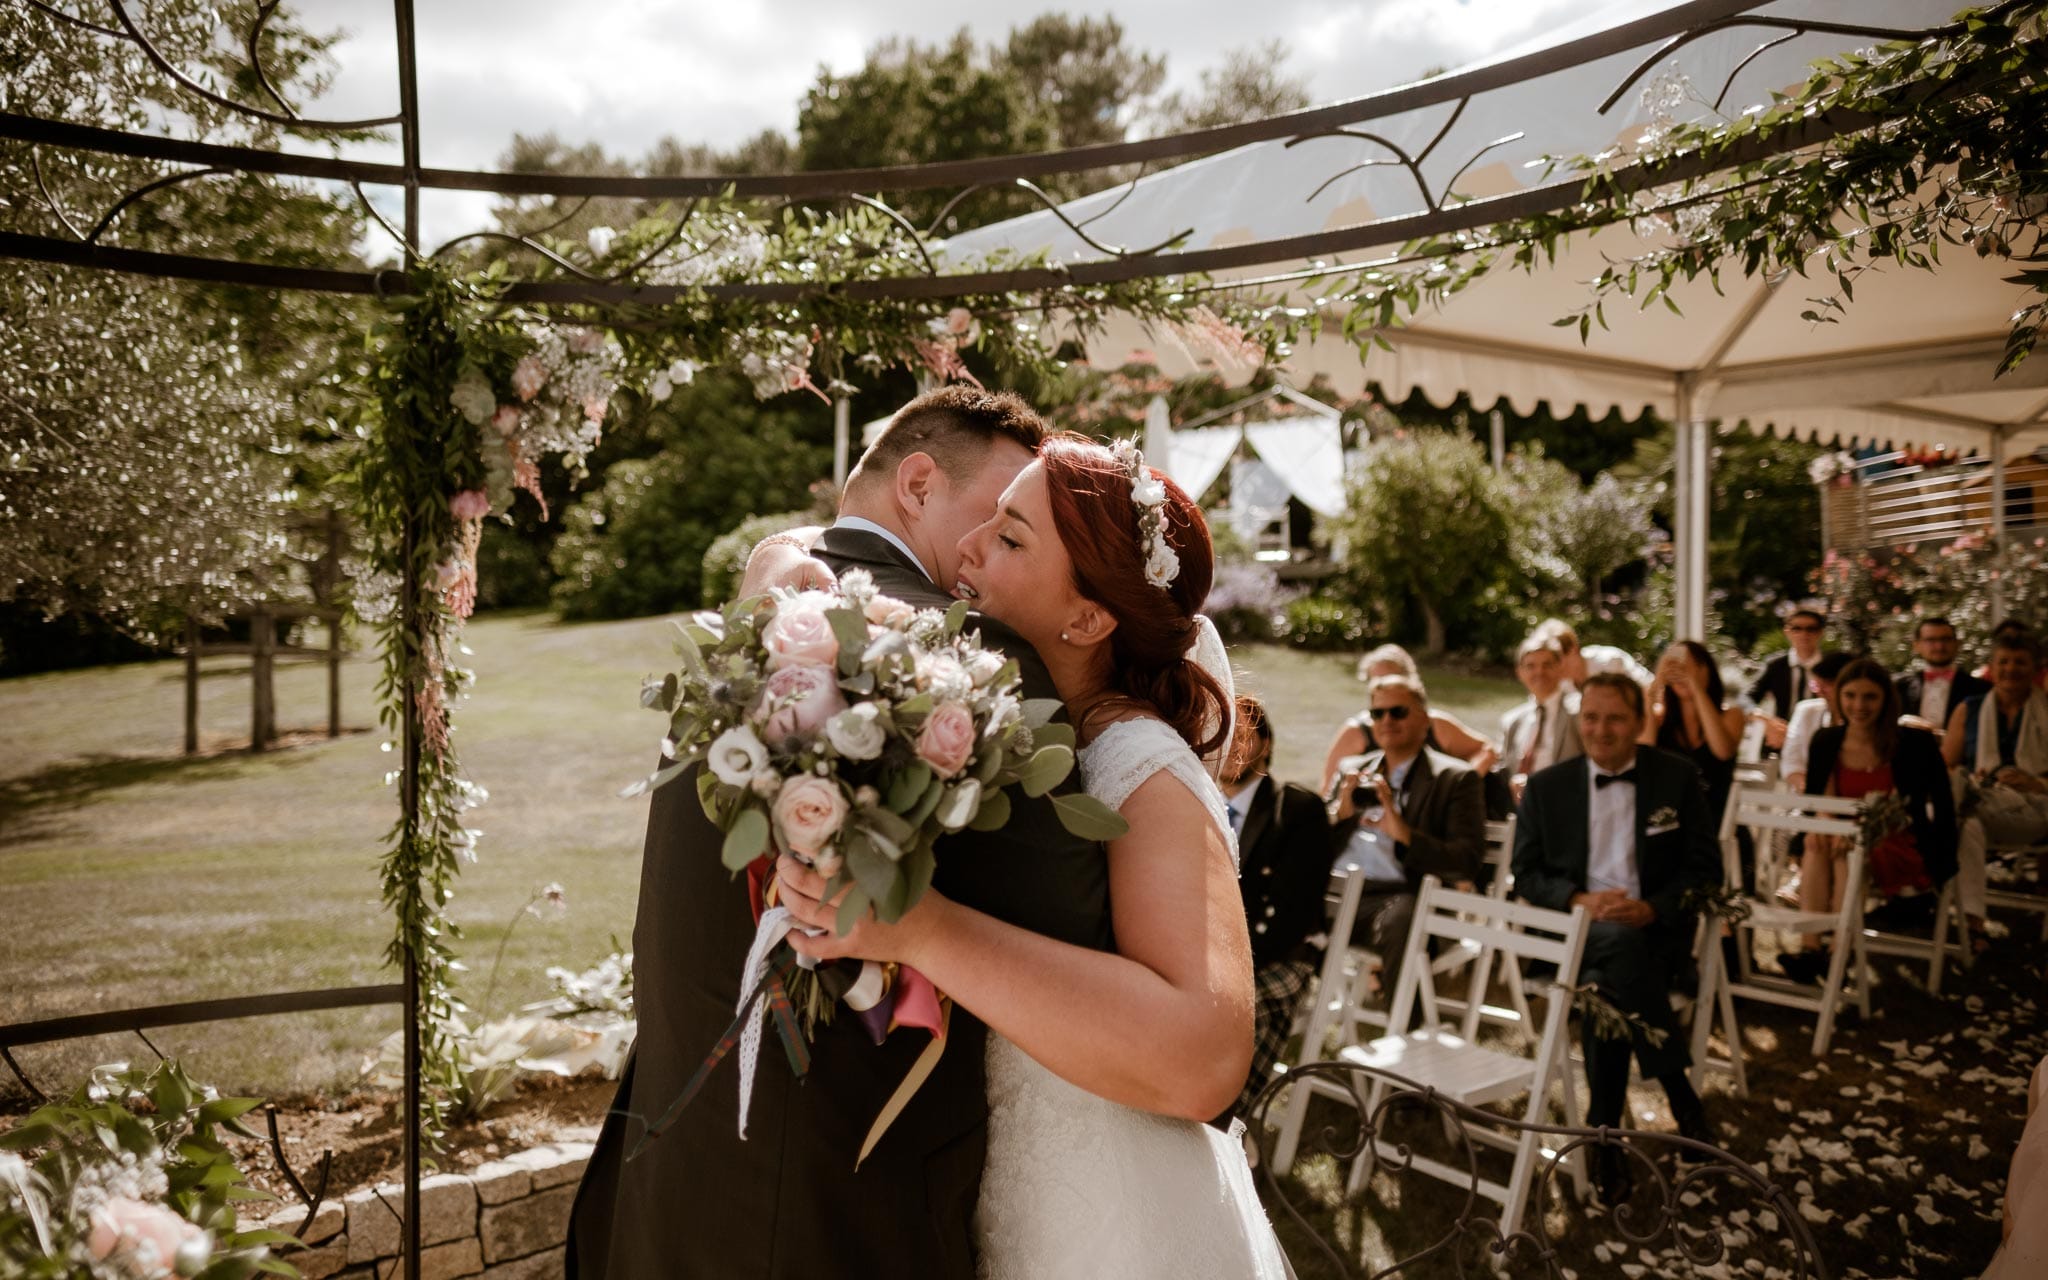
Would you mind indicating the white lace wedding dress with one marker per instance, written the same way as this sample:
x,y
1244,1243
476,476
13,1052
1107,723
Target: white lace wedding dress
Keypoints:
x,y
1078,1186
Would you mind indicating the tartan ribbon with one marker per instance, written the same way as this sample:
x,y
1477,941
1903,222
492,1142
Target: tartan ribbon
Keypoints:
x,y
772,987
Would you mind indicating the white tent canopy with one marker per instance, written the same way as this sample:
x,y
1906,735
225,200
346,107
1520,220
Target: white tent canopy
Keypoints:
x,y
1911,360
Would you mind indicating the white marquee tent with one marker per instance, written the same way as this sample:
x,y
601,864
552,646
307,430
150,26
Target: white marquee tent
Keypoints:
x,y
1910,361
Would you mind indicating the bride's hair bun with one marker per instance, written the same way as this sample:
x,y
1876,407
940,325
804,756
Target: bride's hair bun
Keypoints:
x,y
1090,493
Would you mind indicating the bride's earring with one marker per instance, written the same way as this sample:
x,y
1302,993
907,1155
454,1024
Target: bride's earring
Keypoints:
x,y
1064,636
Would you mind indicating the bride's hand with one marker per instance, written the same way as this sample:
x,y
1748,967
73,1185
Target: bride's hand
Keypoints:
x,y
802,892
784,560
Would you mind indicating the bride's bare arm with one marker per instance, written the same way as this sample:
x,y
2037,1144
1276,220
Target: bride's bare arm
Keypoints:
x,y
1163,1024
785,560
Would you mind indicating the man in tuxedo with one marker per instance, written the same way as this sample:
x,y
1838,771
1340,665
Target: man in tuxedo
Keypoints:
x,y
1403,812
1624,832
1284,849
1787,680
698,1201
1938,685
1542,730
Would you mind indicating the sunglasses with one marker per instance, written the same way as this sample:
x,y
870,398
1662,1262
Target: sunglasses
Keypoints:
x,y
1383,713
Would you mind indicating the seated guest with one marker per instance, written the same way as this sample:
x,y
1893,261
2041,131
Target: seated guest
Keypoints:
x,y
1447,733
1809,717
1624,832
1999,740
1870,753
1580,661
1787,680
1403,812
1930,691
1542,730
1284,851
1688,716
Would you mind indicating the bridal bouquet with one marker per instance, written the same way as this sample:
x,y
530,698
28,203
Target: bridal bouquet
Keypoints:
x,y
853,731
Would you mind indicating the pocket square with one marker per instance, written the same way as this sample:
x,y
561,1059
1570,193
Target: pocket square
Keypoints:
x,y
1662,831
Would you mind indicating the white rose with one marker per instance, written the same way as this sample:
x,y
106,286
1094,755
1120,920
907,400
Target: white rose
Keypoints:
x,y
1148,491
682,372
856,733
984,666
600,239
661,388
1163,565
737,755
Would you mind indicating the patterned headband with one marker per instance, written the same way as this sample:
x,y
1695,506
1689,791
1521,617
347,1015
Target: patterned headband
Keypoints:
x,y
1148,495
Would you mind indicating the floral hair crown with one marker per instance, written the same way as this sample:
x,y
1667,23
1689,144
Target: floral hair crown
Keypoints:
x,y
1148,495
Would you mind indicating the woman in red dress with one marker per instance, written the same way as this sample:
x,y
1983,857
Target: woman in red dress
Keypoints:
x,y
1870,753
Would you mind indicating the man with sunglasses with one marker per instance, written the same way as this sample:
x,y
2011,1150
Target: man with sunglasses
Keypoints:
x,y
1787,680
1403,812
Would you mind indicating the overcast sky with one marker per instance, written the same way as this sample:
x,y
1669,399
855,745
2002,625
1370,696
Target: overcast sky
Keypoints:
x,y
626,72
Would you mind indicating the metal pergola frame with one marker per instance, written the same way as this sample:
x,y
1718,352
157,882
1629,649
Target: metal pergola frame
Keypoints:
x,y
1668,29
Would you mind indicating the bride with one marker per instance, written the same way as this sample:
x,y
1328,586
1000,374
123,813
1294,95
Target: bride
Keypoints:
x,y
1103,1067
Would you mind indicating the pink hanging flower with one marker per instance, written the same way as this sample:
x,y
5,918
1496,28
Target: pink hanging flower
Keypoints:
x,y
526,475
529,376
944,362
470,504
506,420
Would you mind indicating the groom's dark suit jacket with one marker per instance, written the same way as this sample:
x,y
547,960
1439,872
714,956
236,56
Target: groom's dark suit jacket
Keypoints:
x,y
787,1202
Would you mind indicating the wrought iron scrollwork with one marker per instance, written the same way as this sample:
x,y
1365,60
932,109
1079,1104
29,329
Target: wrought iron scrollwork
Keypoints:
x,y
1474,1238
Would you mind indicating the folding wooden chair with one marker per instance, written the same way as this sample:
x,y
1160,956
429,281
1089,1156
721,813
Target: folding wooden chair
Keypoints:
x,y
1768,812
1438,1055
2021,857
1500,852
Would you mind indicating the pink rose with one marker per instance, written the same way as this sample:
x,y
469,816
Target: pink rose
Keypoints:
x,y
470,504
888,611
958,321
144,1237
529,376
947,740
798,702
799,636
506,420
808,813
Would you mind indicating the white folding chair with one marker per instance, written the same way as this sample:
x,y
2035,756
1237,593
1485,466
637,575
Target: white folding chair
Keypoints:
x,y
1439,1055
2020,857
1500,852
1951,939
1329,1005
1766,812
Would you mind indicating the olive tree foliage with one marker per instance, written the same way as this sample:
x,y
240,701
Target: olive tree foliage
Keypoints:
x,y
156,436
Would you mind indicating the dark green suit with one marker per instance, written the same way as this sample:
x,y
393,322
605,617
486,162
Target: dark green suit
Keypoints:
x,y
787,1202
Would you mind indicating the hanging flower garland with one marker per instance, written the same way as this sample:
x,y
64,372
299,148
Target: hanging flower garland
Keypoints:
x,y
469,397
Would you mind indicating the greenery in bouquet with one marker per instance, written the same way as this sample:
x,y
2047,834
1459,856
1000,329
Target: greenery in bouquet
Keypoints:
x,y
1879,815
854,731
128,1179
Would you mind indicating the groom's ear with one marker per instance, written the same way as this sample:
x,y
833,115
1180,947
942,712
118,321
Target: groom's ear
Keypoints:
x,y
917,482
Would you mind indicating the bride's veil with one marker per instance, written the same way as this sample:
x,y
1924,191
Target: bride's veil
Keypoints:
x,y
1209,654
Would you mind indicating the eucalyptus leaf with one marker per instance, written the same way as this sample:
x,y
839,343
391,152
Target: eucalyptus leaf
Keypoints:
x,y
1085,816
851,908
873,870
747,840
851,630
1047,768
1041,711
934,791
1053,735
908,787
995,811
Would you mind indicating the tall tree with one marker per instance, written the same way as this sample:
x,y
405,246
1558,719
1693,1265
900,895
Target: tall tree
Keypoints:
x,y
1078,72
1252,84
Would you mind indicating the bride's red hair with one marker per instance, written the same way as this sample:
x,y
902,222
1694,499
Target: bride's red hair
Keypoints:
x,y
1090,492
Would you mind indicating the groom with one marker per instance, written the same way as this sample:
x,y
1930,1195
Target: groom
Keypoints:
x,y
787,1201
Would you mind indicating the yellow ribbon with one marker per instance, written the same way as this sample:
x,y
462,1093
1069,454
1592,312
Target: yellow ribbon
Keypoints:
x,y
919,1072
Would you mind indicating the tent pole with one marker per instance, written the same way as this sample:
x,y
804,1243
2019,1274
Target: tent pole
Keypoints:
x,y
1998,521
1692,457
1497,429
842,439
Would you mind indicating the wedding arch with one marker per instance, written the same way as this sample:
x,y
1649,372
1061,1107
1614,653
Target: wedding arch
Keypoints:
x,y
803,281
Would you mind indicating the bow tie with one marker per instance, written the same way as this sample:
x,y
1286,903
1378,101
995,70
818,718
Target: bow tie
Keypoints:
x,y
1601,780
1940,677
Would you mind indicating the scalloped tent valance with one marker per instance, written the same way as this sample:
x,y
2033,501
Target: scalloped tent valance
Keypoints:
x,y
1909,363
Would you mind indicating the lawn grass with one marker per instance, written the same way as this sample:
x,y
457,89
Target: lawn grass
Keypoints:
x,y
134,876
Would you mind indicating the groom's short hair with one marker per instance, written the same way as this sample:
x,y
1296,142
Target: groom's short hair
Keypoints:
x,y
955,425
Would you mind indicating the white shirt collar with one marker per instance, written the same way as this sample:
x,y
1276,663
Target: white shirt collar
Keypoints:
x,y
862,525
